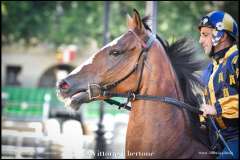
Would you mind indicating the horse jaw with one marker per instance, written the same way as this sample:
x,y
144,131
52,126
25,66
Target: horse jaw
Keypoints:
x,y
74,102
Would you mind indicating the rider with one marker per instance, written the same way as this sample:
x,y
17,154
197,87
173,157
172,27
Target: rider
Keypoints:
x,y
218,37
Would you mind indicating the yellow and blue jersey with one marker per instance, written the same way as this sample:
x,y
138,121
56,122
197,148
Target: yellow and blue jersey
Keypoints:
x,y
221,81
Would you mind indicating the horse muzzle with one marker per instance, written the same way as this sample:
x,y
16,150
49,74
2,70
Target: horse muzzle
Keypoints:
x,y
75,98
71,96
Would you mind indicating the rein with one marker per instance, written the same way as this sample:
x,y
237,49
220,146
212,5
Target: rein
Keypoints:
x,y
131,96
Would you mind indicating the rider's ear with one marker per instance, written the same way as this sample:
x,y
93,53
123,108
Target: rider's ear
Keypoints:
x,y
137,21
224,38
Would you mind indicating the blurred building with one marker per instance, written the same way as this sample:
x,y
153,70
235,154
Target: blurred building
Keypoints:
x,y
40,66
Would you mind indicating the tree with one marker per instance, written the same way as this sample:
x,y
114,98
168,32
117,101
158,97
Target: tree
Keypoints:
x,y
77,22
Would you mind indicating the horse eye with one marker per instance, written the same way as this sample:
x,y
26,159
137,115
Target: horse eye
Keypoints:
x,y
115,53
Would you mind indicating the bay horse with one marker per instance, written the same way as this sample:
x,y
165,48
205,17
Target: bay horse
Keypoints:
x,y
139,62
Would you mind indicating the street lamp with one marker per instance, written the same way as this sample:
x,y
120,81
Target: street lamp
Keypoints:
x,y
100,147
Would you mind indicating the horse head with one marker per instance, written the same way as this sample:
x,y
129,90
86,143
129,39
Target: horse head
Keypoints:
x,y
113,62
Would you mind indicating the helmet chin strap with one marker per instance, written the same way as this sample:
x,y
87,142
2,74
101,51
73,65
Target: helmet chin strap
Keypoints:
x,y
211,54
218,42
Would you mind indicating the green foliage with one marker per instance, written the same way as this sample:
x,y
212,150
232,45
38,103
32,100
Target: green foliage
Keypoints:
x,y
76,22
181,18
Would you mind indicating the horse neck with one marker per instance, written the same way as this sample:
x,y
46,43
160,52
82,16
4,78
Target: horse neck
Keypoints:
x,y
151,123
159,76
159,79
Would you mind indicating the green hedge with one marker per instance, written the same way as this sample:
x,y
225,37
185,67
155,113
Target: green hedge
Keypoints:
x,y
27,104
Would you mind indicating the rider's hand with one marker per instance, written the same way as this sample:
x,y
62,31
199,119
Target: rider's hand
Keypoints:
x,y
208,110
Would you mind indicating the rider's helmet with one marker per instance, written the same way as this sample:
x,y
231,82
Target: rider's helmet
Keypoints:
x,y
221,22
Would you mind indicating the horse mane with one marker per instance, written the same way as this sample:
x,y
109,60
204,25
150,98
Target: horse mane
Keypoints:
x,y
182,54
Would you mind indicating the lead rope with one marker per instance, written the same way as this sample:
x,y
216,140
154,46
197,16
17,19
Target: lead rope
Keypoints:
x,y
217,131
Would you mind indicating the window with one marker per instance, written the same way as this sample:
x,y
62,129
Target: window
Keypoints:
x,y
12,73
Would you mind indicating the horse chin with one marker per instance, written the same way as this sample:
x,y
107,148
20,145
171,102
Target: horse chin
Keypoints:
x,y
77,100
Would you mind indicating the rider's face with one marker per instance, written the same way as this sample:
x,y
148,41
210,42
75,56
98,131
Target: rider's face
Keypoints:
x,y
206,39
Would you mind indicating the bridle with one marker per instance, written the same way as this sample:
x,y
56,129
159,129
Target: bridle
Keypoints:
x,y
95,90
140,63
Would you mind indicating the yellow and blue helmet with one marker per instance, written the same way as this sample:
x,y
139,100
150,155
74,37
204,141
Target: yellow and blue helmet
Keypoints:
x,y
221,22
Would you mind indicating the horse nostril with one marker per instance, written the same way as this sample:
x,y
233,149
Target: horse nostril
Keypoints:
x,y
64,85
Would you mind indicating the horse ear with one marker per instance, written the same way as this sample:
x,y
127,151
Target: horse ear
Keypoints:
x,y
130,22
137,21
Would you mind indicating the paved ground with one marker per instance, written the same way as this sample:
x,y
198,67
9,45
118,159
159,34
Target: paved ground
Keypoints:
x,y
18,142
